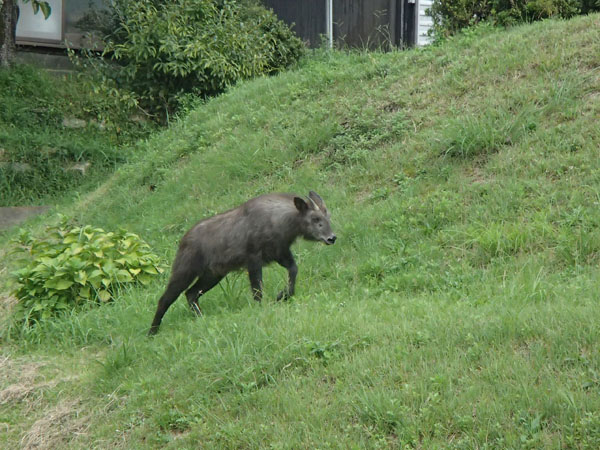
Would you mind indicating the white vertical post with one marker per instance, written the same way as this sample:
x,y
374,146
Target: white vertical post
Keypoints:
x,y
329,19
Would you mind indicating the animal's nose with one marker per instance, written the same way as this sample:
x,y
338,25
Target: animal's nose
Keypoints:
x,y
331,240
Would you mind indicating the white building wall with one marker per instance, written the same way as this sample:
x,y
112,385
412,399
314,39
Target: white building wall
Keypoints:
x,y
424,22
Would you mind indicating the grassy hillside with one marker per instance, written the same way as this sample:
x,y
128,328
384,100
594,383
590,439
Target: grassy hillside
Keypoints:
x,y
58,135
458,309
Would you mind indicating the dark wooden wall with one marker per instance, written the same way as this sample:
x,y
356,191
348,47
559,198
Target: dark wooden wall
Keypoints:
x,y
308,17
356,23
361,23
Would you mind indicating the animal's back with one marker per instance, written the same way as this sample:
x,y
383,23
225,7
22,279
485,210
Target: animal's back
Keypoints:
x,y
260,226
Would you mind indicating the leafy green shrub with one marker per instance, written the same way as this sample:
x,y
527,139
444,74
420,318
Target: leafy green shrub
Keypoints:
x,y
165,49
450,16
72,266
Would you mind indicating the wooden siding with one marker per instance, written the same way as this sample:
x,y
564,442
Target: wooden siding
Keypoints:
x,y
362,23
357,23
425,22
307,17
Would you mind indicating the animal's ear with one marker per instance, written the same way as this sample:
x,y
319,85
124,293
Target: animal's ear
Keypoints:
x,y
300,205
319,202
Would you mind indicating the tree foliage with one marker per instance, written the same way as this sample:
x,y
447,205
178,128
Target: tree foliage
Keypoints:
x,y
450,16
165,49
40,6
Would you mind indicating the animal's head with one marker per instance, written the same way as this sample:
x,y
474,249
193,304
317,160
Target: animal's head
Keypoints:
x,y
315,218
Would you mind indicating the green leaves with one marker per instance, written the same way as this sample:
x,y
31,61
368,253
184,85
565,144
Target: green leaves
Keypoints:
x,y
199,46
59,284
73,266
451,16
44,6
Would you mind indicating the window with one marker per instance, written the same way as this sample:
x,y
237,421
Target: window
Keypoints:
x,y
34,27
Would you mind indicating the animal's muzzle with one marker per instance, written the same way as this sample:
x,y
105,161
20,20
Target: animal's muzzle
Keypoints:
x,y
331,239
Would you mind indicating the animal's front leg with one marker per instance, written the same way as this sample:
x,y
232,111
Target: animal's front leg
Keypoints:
x,y
255,275
287,261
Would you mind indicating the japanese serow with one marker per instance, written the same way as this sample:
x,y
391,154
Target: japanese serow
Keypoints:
x,y
250,236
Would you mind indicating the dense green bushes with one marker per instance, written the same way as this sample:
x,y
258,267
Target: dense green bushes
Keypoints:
x,y
72,266
167,49
450,16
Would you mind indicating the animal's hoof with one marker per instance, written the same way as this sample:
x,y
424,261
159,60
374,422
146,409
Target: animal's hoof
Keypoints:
x,y
197,310
283,295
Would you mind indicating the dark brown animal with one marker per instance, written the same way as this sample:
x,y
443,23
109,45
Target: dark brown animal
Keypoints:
x,y
250,236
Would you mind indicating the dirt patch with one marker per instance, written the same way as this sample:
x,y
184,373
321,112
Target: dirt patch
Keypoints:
x,y
20,392
478,176
23,385
23,371
13,215
7,301
17,380
56,427
16,393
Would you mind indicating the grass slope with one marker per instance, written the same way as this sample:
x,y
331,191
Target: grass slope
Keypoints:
x,y
38,153
458,309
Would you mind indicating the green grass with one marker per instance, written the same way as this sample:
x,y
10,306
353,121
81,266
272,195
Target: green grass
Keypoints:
x,y
458,309
37,153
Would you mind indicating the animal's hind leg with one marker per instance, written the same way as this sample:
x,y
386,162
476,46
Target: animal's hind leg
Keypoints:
x,y
200,287
176,286
192,295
